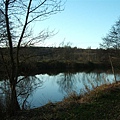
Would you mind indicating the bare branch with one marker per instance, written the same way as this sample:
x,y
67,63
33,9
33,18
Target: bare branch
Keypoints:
x,y
15,32
39,5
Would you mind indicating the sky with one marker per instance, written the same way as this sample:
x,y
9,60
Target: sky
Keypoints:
x,y
83,23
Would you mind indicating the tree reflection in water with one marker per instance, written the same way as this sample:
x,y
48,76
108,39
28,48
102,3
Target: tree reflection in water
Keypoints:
x,y
25,88
84,82
93,80
67,83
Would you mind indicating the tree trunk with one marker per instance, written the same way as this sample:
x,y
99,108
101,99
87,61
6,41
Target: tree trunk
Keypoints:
x,y
14,105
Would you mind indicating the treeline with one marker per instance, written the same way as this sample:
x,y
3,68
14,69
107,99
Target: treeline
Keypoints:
x,y
70,54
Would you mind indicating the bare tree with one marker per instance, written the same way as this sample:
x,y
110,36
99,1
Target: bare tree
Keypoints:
x,y
18,16
112,39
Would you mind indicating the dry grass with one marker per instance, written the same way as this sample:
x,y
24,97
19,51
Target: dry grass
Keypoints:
x,y
99,92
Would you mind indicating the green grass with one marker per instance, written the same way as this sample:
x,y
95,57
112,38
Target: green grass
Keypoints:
x,y
103,103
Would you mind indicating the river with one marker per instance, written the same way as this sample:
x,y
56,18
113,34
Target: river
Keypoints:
x,y
55,87
43,88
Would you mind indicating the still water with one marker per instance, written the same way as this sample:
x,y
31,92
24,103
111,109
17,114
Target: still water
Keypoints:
x,y
38,90
54,88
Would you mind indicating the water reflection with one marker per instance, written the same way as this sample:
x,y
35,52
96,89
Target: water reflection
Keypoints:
x,y
40,89
66,82
92,80
25,88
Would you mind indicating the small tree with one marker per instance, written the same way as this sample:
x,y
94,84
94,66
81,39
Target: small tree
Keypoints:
x,y
17,16
112,39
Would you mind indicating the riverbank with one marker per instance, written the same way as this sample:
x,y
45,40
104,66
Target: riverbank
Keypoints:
x,y
56,66
102,103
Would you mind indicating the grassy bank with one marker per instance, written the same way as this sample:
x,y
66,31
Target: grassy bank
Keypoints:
x,y
103,103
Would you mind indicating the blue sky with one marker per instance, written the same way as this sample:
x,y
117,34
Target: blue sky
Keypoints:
x,y
83,22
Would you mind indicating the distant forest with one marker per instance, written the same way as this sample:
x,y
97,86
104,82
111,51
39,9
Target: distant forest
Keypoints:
x,y
66,54
71,54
